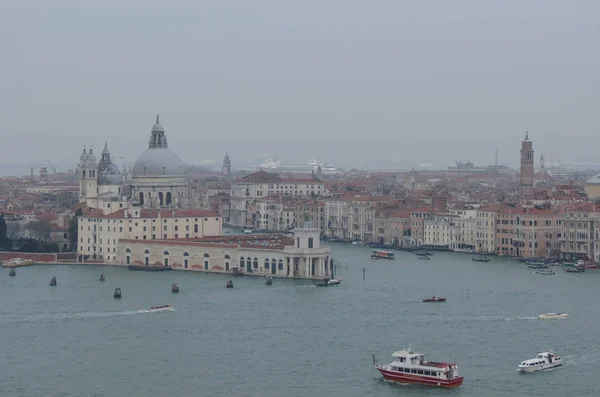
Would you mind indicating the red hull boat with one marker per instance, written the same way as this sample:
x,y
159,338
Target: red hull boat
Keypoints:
x,y
435,299
411,367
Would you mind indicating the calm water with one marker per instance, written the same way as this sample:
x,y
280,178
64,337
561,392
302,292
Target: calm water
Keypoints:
x,y
292,338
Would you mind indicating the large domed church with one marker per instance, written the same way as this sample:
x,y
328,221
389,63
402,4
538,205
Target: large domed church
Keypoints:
x,y
157,179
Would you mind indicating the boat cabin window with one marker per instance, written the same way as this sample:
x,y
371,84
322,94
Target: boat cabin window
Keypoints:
x,y
413,371
401,359
420,372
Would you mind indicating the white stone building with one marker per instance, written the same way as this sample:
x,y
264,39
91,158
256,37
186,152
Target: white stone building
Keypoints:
x,y
300,256
99,233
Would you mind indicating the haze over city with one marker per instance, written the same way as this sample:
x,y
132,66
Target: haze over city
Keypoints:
x,y
357,84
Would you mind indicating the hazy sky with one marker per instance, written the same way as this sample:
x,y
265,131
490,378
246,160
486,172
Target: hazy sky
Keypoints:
x,y
354,83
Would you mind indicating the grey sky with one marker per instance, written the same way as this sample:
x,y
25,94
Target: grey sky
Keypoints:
x,y
360,83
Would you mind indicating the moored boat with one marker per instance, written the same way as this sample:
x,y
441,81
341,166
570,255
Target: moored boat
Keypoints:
x,y
545,272
574,269
541,362
326,282
149,268
17,262
537,265
161,308
435,299
553,316
411,367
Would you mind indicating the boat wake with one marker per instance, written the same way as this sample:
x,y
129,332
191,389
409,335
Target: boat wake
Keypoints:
x,y
67,316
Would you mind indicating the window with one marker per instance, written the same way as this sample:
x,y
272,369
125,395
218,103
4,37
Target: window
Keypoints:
x,y
227,259
196,228
186,260
310,242
206,259
255,266
267,263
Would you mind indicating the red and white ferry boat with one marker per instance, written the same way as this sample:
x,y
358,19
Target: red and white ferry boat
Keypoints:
x,y
411,367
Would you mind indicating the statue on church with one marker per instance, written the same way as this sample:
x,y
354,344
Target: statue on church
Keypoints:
x,y
184,203
154,202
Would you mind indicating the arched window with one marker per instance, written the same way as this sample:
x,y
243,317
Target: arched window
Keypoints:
x,y
227,259
147,252
128,257
242,263
160,198
141,198
169,196
196,228
266,263
166,259
280,264
186,260
255,263
166,253
206,260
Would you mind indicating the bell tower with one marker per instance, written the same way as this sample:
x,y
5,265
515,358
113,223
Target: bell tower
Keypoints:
x,y
88,178
226,170
526,165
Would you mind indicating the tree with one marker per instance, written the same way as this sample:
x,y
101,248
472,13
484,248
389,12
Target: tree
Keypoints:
x,y
39,230
74,228
3,231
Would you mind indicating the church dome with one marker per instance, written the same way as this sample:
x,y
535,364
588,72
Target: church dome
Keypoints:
x,y
158,160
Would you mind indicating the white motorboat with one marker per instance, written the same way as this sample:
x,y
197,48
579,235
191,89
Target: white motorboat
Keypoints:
x,y
161,308
553,316
541,362
334,281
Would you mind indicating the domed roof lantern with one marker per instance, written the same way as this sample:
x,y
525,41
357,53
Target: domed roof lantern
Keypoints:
x,y
157,136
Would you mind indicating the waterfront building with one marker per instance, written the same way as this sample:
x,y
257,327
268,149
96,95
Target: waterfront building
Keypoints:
x,y
261,183
578,234
392,227
337,215
99,234
485,226
437,230
300,256
464,229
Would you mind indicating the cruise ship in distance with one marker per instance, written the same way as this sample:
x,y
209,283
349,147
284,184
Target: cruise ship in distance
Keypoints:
x,y
273,165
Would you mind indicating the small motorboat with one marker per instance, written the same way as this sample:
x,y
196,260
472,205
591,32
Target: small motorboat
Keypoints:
x,y
102,277
161,308
53,281
423,257
17,262
326,282
553,316
175,288
544,272
541,362
117,294
229,284
435,299
537,265
269,280
481,259
574,269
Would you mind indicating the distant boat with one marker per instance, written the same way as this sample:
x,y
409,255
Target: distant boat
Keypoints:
x,y
423,257
161,308
545,272
481,259
541,362
17,262
435,299
537,265
553,316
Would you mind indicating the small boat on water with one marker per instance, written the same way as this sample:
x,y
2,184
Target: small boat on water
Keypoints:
x,y
411,367
553,316
423,257
382,254
229,284
544,272
326,282
574,269
435,299
269,280
541,362
17,262
161,308
537,265
423,253
481,259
